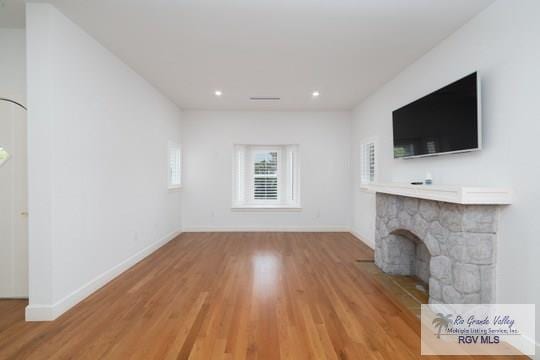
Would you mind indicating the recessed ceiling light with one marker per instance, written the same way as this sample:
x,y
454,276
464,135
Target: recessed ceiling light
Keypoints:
x,y
218,93
315,94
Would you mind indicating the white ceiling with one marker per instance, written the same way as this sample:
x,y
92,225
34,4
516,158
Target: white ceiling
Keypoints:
x,y
345,49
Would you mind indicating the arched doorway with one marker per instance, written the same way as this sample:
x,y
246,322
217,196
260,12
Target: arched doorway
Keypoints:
x,y
13,201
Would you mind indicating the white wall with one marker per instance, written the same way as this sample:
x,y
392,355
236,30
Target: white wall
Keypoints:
x,y
98,136
502,44
13,64
324,148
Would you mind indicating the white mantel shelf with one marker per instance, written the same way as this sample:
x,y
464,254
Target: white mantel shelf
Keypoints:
x,y
466,195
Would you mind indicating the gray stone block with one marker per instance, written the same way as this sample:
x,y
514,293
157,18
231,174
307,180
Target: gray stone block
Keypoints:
x,y
436,238
471,298
393,224
422,271
435,289
397,250
410,205
457,249
458,253
422,253
480,248
405,220
451,217
451,296
378,223
380,205
433,245
392,207
420,226
381,230
378,257
397,269
438,231
429,210
466,277
433,301
487,278
440,268
480,219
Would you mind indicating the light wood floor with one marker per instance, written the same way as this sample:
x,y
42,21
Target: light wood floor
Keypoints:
x,y
229,296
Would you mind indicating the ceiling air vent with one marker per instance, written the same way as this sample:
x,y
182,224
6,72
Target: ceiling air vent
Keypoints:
x,y
264,98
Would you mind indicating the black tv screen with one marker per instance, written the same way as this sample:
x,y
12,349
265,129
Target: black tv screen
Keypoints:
x,y
444,121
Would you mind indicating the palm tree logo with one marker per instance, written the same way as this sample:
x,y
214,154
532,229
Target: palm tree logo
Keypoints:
x,y
440,322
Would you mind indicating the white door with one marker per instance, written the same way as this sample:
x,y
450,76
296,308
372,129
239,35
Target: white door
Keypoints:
x,y
13,202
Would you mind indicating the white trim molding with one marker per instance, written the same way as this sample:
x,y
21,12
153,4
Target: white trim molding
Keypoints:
x,y
264,208
38,312
286,172
365,239
270,229
466,195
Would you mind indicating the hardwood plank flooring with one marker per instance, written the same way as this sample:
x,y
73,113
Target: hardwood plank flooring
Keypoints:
x,y
229,296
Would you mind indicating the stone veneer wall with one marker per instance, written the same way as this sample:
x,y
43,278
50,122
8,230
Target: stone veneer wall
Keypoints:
x,y
460,238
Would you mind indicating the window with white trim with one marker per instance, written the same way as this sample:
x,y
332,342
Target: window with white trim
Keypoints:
x,y
266,176
368,164
4,156
175,165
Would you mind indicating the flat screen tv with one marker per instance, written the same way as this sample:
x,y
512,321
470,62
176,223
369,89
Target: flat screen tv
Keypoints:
x,y
445,121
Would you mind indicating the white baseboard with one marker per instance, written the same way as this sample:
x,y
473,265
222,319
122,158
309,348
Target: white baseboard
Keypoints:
x,y
36,312
269,229
365,239
14,297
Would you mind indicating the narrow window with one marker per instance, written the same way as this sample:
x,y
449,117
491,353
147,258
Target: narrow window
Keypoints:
x,y
175,166
368,166
4,156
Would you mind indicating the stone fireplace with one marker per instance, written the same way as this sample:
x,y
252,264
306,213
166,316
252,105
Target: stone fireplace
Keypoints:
x,y
451,247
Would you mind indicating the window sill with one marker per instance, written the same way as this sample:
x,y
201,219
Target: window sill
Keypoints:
x,y
175,188
262,208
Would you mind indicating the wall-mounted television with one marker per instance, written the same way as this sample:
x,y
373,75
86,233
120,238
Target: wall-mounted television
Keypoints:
x,y
446,121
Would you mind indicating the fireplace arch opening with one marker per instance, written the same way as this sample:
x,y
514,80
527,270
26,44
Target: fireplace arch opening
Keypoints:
x,y
408,255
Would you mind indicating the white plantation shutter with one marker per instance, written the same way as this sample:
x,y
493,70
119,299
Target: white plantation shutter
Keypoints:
x,y
368,164
265,175
292,174
175,169
240,173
